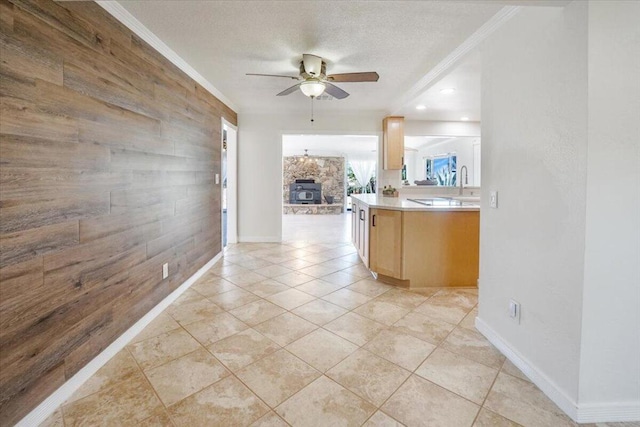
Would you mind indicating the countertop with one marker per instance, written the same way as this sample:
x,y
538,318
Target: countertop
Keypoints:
x,y
404,204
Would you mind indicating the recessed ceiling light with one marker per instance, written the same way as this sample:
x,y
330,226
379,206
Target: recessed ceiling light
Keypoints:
x,y
464,119
421,107
447,91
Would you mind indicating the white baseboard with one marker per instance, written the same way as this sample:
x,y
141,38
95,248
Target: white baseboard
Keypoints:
x,y
608,412
58,397
543,382
259,239
581,413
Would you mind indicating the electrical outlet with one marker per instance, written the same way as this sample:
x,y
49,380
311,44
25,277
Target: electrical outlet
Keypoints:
x,y
493,200
514,310
165,270
217,178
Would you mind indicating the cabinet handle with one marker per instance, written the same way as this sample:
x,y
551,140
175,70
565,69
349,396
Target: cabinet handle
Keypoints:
x,y
373,220
361,214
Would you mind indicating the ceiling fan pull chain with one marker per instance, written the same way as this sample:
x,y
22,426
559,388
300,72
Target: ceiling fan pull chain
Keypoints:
x,y
312,109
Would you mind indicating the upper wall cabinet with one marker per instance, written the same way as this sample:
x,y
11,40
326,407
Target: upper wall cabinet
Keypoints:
x,y
393,142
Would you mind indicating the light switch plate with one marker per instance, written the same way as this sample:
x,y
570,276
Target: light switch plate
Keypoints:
x,y
514,310
217,178
493,200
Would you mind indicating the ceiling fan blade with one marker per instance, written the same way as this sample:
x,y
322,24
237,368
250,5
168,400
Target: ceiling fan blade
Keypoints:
x,y
289,90
273,75
370,76
312,64
335,91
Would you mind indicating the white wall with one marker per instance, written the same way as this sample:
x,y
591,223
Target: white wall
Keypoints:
x,y
610,356
560,142
534,151
436,128
260,162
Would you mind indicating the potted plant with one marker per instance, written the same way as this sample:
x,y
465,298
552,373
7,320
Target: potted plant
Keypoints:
x,y
389,191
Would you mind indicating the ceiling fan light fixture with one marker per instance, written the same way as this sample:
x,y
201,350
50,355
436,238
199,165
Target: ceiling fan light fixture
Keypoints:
x,y
312,88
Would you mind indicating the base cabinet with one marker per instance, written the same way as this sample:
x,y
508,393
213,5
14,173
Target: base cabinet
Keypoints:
x,y
385,247
354,223
363,233
425,249
360,230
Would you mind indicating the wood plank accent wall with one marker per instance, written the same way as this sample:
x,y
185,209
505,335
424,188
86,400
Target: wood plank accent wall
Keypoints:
x,y
108,158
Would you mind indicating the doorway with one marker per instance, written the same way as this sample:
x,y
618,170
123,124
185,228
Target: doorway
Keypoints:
x,y
229,184
319,172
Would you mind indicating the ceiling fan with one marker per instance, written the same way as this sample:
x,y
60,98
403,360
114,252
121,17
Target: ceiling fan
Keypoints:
x,y
315,81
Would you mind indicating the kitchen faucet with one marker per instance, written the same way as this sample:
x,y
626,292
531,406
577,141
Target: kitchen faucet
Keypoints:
x,y
466,178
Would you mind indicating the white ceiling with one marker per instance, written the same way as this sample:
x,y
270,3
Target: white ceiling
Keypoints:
x,y
401,40
417,142
355,147
463,102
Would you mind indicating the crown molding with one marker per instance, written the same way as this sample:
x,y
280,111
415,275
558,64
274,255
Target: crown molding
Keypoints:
x,y
127,19
437,72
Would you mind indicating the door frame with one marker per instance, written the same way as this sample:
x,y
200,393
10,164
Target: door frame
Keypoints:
x,y
232,183
306,132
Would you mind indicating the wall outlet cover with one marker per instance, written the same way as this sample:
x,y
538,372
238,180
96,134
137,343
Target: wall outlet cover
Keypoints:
x,y
165,270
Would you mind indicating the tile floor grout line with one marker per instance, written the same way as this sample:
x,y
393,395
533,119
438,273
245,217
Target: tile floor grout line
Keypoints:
x,y
488,392
316,327
166,409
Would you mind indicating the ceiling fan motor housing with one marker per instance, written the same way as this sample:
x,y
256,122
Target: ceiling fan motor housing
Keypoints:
x,y
313,65
306,75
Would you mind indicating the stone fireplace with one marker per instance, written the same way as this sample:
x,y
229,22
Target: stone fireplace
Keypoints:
x,y
327,175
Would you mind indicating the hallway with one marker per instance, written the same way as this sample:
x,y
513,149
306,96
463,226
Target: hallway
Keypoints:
x,y
298,334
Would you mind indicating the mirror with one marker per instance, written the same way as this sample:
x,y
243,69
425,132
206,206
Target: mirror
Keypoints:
x,y
439,159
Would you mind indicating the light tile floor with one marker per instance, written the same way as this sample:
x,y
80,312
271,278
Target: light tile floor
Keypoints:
x,y
299,334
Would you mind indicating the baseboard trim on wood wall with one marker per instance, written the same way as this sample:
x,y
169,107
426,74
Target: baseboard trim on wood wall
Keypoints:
x,y
57,398
580,413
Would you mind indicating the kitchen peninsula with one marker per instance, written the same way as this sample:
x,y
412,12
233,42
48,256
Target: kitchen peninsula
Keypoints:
x,y
426,242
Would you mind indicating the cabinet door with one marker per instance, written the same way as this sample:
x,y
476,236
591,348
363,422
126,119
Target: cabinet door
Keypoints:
x,y
354,224
364,234
360,229
393,142
386,242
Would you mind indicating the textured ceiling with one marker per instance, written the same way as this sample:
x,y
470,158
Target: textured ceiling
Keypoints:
x,y
223,40
464,77
353,146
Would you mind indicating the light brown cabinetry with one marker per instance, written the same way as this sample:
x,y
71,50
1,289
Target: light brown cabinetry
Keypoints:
x,y
425,248
360,230
363,232
393,142
385,247
441,248
354,223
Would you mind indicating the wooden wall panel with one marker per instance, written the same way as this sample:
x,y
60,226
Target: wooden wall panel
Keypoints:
x,y
108,154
